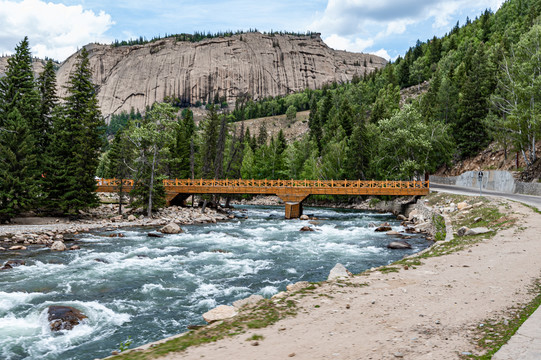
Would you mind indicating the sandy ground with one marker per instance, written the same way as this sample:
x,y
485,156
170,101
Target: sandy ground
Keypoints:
x,y
429,312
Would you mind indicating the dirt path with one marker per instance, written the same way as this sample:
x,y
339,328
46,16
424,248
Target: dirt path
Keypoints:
x,y
426,312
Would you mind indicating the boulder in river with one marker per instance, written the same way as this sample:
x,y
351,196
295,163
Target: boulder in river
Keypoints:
x,y
304,217
10,264
171,228
220,313
399,245
339,271
64,317
155,234
306,228
58,246
383,228
15,263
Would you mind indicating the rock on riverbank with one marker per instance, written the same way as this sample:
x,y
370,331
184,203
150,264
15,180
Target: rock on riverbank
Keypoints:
x,y
104,216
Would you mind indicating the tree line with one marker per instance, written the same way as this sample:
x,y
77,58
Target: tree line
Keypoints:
x,y
49,149
199,36
483,85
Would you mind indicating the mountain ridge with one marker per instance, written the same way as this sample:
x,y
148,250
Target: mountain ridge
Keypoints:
x,y
223,68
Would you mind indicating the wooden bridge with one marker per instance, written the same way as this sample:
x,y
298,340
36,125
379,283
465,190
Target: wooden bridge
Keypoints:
x,y
292,192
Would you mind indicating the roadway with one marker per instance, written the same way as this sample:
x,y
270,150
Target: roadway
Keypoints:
x,y
526,199
525,344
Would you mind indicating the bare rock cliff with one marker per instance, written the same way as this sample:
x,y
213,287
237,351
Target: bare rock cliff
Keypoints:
x,y
37,65
256,64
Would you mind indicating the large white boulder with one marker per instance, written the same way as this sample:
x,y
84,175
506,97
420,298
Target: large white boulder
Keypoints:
x,y
251,300
58,246
220,313
477,231
297,286
171,228
339,271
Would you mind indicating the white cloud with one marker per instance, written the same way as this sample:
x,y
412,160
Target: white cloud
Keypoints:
x,y
352,24
53,30
342,43
382,53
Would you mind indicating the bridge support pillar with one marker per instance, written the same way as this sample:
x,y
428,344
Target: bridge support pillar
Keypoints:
x,y
293,204
174,198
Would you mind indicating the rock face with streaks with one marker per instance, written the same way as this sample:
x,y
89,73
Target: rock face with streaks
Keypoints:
x,y
256,64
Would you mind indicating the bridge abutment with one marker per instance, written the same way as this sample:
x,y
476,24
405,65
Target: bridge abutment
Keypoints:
x,y
293,204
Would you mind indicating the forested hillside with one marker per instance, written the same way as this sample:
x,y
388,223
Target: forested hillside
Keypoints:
x,y
483,85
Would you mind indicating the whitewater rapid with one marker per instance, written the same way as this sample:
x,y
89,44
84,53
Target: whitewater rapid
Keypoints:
x,y
148,288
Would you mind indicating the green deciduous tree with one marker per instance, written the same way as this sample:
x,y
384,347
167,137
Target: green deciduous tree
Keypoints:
x,y
152,138
408,146
518,97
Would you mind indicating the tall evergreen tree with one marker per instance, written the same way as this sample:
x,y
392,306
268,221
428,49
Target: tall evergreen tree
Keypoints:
x,y
47,88
17,87
469,130
357,158
18,183
19,111
210,135
76,143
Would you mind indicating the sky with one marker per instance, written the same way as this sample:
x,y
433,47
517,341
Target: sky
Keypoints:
x,y
388,28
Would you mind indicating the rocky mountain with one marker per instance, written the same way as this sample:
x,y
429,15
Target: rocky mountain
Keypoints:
x,y
256,64
37,65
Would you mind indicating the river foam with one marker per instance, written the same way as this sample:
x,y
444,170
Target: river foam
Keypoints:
x,y
149,288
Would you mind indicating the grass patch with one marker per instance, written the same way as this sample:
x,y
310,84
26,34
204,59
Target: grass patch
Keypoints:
x,y
411,262
388,269
255,337
532,207
264,314
485,215
496,333
439,224
350,284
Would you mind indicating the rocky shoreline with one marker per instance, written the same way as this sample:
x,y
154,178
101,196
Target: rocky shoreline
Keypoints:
x,y
427,307
19,237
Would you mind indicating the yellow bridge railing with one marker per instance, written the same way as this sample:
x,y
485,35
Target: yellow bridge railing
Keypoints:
x,y
292,192
235,186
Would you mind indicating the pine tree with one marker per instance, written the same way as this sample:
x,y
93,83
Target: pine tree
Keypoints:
x,y
17,87
469,130
76,144
210,135
19,111
47,88
314,123
357,158
18,183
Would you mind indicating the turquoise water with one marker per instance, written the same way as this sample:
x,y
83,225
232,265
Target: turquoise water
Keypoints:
x,y
150,288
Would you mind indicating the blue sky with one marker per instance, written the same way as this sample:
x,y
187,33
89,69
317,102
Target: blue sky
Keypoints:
x,y
56,29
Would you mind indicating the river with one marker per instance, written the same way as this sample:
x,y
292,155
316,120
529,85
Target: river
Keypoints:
x,y
150,288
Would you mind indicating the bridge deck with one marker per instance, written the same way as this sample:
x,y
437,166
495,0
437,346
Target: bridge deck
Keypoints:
x,y
292,192
272,187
